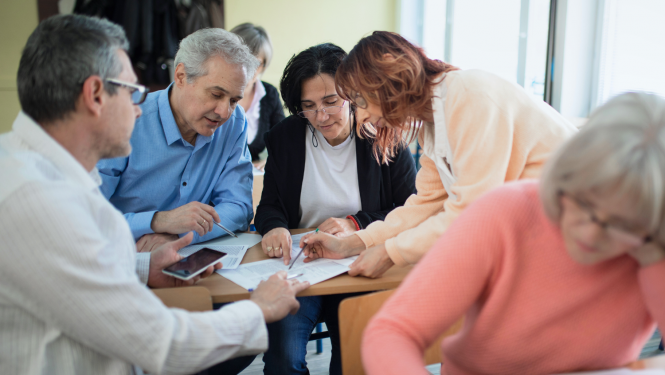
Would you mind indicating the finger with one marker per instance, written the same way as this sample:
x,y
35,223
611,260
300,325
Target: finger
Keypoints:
x,y
354,268
305,239
183,241
299,286
208,218
211,211
199,227
219,266
278,250
207,272
264,246
280,275
286,249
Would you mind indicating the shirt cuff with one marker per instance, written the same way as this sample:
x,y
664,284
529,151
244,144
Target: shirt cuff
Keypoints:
x,y
140,223
143,266
251,318
366,238
394,254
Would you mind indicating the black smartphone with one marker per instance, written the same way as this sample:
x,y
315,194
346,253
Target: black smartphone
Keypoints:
x,y
194,264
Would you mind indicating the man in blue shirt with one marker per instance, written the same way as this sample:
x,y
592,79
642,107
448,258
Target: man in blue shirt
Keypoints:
x,y
190,164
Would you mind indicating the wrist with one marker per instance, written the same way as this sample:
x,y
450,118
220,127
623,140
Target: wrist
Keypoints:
x,y
352,245
154,224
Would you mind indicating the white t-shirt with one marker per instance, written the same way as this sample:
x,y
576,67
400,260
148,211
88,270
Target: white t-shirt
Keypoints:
x,y
330,182
254,111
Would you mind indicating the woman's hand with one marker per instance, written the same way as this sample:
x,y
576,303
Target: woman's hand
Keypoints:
x,y
277,243
324,245
338,227
260,165
648,254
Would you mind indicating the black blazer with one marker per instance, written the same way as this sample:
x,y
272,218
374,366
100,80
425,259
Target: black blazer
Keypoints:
x,y
270,114
382,187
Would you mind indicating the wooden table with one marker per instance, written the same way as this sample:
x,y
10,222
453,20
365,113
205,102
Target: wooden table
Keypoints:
x,y
223,290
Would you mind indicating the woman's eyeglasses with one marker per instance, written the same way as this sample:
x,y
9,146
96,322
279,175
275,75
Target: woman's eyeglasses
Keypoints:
x,y
613,231
138,92
330,110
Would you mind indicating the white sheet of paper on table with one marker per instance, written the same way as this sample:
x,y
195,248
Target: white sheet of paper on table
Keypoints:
x,y
250,275
232,259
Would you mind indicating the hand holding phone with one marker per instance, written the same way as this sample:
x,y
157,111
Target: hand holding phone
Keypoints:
x,y
194,264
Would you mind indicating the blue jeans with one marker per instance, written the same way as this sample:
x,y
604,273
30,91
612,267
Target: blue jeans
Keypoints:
x,y
230,367
287,338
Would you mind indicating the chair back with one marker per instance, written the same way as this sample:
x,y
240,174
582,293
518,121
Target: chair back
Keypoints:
x,y
355,313
191,298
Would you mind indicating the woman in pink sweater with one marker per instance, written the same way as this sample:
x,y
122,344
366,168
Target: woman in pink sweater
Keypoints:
x,y
476,129
563,275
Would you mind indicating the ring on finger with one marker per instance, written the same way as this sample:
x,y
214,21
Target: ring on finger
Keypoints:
x,y
269,248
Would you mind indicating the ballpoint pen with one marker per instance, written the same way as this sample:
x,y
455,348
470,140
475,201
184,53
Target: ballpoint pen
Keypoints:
x,y
224,229
296,258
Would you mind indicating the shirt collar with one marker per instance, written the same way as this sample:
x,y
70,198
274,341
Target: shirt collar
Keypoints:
x,y
171,129
259,93
41,142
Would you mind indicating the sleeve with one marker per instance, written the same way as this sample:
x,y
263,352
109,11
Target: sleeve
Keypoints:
x,y
232,194
87,290
416,209
652,283
270,212
460,265
143,267
403,185
110,171
481,139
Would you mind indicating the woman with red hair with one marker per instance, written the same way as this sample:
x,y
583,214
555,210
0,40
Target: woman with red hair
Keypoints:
x,y
476,129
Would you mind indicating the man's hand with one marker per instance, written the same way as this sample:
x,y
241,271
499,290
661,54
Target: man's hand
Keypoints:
x,y
648,254
372,263
194,216
338,227
149,242
165,256
324,245
276,243
277,296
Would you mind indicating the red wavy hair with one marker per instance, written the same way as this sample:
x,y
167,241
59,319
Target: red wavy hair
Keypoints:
x,y
401,84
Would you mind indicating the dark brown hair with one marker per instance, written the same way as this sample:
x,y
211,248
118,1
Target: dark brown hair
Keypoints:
x,y
401,84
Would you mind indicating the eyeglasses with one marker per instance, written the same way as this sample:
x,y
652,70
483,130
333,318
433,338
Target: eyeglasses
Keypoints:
x,y
359,101
331,110
613,231
138,92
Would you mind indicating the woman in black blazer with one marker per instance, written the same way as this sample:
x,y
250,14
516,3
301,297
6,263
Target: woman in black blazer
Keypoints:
x,y
320,173
261,99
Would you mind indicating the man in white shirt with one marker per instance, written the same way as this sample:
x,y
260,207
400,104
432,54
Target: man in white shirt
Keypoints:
x,y
72,293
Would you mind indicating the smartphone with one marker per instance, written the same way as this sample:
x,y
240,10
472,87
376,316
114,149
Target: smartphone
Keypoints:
x,y
194,264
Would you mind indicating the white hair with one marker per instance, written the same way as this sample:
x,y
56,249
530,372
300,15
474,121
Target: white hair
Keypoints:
x,y
203,44
619,153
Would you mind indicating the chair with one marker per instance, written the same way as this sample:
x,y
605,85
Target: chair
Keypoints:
x,y
191,298
355,313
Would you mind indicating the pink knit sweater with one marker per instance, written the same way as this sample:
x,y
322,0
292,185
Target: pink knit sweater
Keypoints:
x,y
529,308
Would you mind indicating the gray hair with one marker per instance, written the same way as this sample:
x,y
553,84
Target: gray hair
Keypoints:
x,y
203,44
257,39
620,152
59,56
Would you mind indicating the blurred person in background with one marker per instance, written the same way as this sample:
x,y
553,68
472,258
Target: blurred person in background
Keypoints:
x,y
263,108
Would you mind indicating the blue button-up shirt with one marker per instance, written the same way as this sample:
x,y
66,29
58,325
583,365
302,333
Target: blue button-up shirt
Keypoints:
x,y
165,172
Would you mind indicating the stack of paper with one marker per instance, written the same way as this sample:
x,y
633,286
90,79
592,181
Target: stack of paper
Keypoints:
x,y
250,275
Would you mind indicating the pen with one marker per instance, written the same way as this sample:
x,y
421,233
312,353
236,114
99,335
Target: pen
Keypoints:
x,y
296,258
224,229
288,278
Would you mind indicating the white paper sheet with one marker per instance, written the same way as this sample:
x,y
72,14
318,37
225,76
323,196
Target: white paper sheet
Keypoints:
x,y
244,239
232,259
250,275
